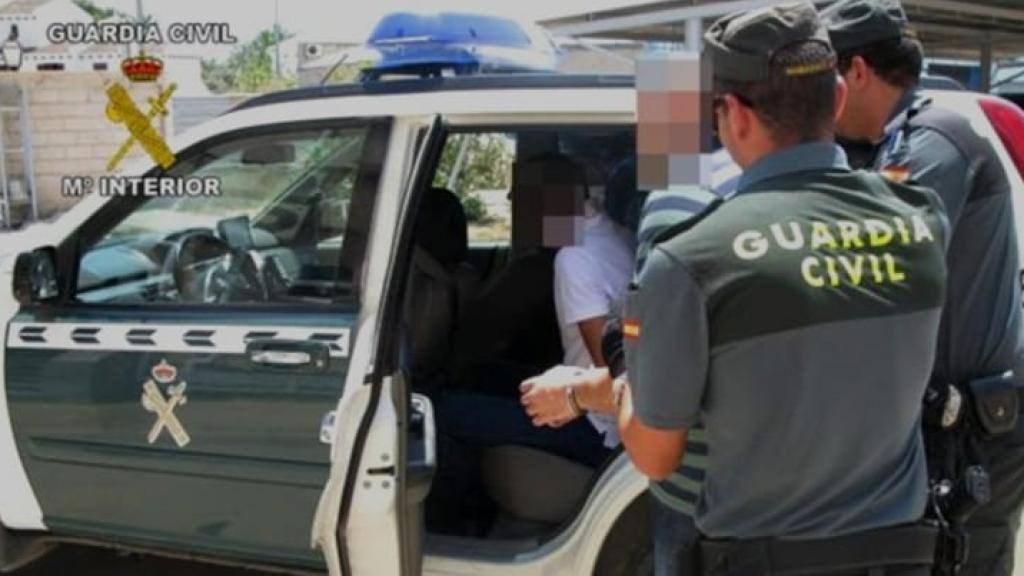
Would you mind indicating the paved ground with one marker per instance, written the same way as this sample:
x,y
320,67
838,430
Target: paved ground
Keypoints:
x,y
81,561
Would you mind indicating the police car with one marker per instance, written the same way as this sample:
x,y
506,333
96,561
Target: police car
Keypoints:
x,y
234,378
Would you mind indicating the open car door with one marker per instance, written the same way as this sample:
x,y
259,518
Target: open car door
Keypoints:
x,y
369,519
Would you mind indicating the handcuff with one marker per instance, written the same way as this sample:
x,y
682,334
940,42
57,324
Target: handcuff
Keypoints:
x,y
574,403
618,391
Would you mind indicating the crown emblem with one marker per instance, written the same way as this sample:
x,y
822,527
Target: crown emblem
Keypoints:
x,y
164,373
142,68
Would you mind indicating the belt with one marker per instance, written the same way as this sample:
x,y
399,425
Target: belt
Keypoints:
x,y
900,546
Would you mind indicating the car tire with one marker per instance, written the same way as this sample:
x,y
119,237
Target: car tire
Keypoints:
x,y
627,550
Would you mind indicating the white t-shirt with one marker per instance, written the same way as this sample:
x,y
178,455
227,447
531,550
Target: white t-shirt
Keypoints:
x,y
590,281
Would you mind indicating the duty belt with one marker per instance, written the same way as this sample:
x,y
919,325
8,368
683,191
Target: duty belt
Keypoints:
x,y
901,546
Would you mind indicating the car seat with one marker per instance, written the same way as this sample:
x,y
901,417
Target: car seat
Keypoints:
x,y
440,280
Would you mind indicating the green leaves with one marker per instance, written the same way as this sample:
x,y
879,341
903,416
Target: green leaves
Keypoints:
x,y
250,68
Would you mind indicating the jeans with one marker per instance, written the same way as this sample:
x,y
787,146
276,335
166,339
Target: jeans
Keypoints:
x,y
485,421
675,541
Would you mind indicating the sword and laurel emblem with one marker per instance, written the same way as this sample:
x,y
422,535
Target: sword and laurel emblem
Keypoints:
x,y
121,109
154,400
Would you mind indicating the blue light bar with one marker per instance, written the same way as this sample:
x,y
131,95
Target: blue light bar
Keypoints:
x,y
430,44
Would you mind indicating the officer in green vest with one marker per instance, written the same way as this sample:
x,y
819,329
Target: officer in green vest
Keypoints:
x,y
797,320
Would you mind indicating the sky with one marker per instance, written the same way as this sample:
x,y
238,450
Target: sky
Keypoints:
x,y
337,20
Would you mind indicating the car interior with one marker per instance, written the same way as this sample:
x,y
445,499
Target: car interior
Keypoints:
x,y
460,274
296,241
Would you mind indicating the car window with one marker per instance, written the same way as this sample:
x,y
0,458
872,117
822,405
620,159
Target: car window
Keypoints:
x,y
288,226
477,167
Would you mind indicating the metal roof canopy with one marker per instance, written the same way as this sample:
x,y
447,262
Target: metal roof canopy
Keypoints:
x,y
948,28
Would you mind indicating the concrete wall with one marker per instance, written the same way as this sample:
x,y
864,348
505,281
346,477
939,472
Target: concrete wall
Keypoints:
x,y
70,132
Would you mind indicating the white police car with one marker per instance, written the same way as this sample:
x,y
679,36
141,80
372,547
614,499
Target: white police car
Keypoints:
x,y
225,377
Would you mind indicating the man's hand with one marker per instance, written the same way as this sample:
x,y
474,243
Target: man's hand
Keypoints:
x,y
546,397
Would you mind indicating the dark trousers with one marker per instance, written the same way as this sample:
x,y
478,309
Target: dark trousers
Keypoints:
x,y
485,421
993,528
469,423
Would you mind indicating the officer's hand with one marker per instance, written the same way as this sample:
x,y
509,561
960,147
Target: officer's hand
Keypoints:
x,y
546,397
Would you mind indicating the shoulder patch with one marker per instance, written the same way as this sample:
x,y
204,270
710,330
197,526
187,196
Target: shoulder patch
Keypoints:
x,y
677,229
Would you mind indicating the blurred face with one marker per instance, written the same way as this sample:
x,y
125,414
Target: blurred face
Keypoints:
x,y
673,116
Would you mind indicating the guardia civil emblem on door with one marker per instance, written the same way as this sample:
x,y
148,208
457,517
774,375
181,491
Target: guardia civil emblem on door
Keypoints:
x,y
154,400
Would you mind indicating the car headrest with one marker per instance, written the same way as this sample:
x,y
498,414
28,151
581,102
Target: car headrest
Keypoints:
x,y
622,201
441,227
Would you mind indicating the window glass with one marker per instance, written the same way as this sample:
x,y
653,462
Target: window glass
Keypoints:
x,y
477,167
289,225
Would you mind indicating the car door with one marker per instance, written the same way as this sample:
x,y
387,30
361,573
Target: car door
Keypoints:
x,y
172,396
369,520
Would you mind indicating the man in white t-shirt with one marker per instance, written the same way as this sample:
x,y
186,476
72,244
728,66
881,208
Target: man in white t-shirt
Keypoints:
x,y
590,283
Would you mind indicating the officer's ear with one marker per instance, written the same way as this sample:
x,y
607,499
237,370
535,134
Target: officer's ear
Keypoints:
x,y
842,91
858,75
741,118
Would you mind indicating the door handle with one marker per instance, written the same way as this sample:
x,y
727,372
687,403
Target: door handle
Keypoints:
x,y
293,354
281,357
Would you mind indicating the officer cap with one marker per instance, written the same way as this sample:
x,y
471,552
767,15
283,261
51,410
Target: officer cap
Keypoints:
x,y
855,23
743,45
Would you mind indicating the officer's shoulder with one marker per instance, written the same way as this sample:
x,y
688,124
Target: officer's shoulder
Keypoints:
x,y
689,224
951,126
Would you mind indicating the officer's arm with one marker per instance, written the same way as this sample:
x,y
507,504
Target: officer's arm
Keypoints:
x,y
655,453
938,164
667,361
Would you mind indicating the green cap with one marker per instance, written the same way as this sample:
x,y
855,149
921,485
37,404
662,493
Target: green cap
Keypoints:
x,y
743,45
855,23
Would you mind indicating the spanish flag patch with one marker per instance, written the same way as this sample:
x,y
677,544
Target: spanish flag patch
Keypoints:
x,y
897,174
630,329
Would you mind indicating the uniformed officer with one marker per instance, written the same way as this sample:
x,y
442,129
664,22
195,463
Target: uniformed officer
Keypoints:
x,y
796,320
881,60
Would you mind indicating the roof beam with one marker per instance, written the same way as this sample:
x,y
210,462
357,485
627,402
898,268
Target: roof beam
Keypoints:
x,y
968,35
973,9
600,25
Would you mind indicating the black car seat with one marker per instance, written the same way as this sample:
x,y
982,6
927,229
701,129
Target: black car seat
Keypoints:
x,y
440,280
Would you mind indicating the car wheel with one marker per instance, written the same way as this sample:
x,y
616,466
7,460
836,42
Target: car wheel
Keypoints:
x,y
627,550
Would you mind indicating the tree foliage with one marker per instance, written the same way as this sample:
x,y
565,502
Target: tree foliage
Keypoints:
x,y
486,164
249,68
97,13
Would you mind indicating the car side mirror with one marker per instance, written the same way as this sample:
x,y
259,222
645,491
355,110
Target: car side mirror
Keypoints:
x,y
35,276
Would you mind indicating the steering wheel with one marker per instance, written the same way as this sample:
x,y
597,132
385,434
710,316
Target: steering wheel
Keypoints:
x,y
205,269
